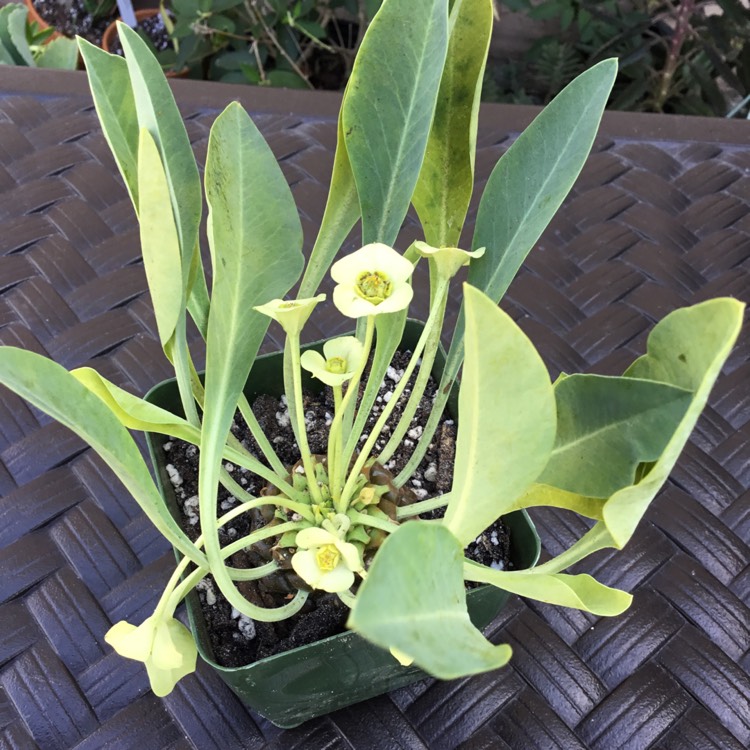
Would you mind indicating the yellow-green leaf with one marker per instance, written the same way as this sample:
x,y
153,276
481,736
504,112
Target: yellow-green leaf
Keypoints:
x,y
446,180
506,426
423,617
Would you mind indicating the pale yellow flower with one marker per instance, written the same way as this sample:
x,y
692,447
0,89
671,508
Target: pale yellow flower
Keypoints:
x,y
323,559
338,362
371,281
291,314
447,259
165,646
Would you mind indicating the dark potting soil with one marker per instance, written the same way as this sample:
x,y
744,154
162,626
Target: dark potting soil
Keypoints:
x,y
153,28
71,18
238,640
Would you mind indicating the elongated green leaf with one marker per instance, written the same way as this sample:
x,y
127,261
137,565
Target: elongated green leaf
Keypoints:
x,y
255,238
546,159
133,412
446,181
137,414
389,106
424,616
606,427
157,112
115,106
60,53
56,392
506,423
160,244
341,214
687,349
577,591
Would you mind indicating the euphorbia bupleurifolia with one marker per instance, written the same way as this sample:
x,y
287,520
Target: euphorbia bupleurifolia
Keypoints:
x,y
597,446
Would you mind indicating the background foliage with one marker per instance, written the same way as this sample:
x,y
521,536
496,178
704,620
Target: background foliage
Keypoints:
x,y
678,56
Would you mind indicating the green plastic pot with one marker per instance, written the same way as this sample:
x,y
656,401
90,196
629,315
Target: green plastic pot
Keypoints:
x,y
313,680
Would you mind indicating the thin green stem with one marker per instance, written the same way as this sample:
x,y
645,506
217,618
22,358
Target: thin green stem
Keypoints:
x,y
177,351
388,408
260,437
595,539
244,459
423,376
352,389
299,414
347,598
424,506
335,439
375,523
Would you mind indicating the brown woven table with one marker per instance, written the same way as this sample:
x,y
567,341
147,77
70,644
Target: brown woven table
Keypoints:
x,y
660,218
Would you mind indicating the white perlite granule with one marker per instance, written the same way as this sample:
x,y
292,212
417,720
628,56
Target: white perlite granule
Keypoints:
x,y
174,475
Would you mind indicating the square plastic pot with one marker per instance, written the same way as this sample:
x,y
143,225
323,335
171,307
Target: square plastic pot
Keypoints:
x,y
319,678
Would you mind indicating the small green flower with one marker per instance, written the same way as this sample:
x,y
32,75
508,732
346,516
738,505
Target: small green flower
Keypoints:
x,y
372,280
338,362
291,314
165,646
323,559
447,259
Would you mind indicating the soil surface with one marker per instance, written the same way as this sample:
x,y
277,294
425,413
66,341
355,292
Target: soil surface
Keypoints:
x,y
154,29
238,640
71,18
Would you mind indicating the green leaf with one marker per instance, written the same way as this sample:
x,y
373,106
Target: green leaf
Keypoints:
x,y
160,244
9,55
687,350
425,615
133,412
115,106
16,25
446,180
255,237
606,426
51,388
341,214
531,180
576,591
158,113
506,426
59,53
389,106
538,495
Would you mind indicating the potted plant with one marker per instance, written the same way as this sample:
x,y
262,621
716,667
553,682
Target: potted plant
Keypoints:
x,y
86,18
155,25
336,524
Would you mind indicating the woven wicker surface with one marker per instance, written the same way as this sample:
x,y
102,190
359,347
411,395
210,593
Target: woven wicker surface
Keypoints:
x,y
660,218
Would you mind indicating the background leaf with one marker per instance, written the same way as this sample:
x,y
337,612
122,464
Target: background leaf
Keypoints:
x,y
425,615
506,425
388,109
